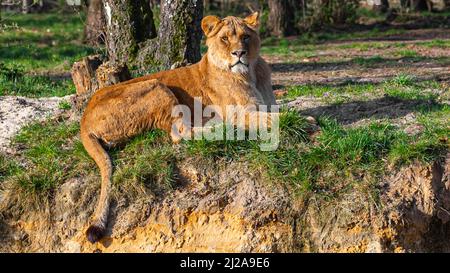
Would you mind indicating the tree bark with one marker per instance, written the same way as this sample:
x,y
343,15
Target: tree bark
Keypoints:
x,y
90,74
179,33
95,23
108,74
132,39
282,17
83,74
128,23
26,6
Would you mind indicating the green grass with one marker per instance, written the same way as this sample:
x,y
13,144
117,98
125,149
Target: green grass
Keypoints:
x,y
283,46
369,61
402,80
432,144
65,105
8,167
402,86
407,53
14,81
148,160
43,41
327,90
439,43
310,40
364,46
335,161
49,159
35,45
293,129
53,153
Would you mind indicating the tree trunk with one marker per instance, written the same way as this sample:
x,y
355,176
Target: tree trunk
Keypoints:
x,y
95,23
282,17
26,6
128,23
131,37
179,33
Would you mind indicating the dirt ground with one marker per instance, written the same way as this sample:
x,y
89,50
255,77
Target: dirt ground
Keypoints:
x,y
16,112
333,64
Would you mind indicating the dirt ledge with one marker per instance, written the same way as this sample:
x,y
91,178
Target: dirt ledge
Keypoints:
x,y
231,209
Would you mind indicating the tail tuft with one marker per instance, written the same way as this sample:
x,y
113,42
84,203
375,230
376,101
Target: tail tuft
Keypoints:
x,y
95,233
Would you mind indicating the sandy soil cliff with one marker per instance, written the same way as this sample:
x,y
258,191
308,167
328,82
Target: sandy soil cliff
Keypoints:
x,y
229,209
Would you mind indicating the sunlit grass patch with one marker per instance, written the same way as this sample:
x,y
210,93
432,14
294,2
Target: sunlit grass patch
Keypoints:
x,y
36,45
432,143
402,86
407,53
324,91
8,167
288,48
14,81
36,86
327,165
439,43
405,86
43,41
364,46
53,154
148,161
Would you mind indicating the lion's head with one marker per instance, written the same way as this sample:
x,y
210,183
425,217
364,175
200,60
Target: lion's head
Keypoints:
x,y
233,43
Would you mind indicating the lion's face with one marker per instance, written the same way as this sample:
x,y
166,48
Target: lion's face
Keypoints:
x,y
233,43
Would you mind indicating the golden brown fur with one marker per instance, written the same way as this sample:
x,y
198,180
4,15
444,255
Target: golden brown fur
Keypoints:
x,y
230,73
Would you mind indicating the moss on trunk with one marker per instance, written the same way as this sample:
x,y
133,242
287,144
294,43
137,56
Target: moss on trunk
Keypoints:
x,y
132,39
129,23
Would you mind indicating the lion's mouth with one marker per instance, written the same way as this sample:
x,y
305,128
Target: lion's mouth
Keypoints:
x,y
239,62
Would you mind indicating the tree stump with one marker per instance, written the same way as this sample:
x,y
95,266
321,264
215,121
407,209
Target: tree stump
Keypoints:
x,y
90,74
109,74
83,74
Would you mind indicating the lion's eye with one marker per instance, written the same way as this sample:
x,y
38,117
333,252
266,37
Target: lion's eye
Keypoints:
x,y
246,38
224,39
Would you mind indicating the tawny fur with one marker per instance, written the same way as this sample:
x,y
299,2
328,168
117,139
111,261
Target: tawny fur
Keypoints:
x,y
117,113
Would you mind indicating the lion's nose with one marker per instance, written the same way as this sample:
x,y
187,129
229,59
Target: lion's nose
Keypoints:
x,y
239,53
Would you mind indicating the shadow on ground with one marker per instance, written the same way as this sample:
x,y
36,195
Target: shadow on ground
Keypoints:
x,y
381,108
371,62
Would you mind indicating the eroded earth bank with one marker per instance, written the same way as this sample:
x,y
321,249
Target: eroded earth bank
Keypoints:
x,y
227,208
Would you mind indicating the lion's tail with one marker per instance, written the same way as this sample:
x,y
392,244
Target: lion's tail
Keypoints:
x,y
92,145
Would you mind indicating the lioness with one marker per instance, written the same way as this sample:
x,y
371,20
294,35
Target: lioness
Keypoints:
x,y
230,73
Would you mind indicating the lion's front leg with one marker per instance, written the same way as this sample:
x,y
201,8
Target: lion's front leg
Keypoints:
x,y
262,119
251,119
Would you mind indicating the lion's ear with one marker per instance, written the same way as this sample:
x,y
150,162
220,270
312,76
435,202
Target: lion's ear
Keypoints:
x,y
252,20
208,24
